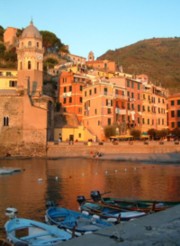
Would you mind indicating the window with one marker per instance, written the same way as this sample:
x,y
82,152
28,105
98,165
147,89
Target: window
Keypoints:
x,y
64,89
37,65
109,121
95,90
90,92
12,83
64,100
37,44
8,74
105,91
139,86
178,124
70,99
172,103
178,113
70,88
95,111
99,122
128,83
6,121
29,65
85,94
139,108
80,100
81,88
178,102
29,43
109,111
172,114
172,124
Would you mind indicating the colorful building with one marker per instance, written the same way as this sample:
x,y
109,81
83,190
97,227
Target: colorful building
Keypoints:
x,y
174,111
8,79
71,93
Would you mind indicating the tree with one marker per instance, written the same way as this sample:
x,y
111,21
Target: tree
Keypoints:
x,y
1,33
176,132
135,133
109,131
2,50
152,133
51,42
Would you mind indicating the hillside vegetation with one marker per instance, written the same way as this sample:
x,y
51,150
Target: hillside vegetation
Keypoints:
x,y
159,58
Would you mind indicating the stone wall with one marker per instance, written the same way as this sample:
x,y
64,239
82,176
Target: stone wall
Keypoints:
x,y
137,149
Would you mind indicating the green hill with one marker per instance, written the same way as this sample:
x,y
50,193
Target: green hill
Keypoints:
x,y
159,58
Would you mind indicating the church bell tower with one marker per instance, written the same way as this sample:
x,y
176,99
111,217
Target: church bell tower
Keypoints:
x,y
30,61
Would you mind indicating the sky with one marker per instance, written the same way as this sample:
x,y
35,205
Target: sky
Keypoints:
x,y
95,25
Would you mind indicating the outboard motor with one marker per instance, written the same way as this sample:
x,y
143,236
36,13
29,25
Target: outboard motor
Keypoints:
x,y
50,204
11,212
96,195
81,199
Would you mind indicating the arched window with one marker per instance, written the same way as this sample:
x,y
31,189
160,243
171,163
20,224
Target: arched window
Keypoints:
x,y
29,65
29,43
6,121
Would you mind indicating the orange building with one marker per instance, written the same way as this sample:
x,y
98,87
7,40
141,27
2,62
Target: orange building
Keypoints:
x,y
174,111
134,105
104,65
10,37
120,100
70,93
98,101
154,108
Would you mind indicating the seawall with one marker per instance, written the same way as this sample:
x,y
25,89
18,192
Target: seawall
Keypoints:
x,y
138,151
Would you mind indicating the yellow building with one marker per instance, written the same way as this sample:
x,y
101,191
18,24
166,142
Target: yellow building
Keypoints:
x,y
8,79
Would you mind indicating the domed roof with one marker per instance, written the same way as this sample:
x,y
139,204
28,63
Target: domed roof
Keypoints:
x,y
31,32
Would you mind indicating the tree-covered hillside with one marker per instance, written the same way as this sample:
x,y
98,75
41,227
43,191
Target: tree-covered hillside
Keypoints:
x,y
159,58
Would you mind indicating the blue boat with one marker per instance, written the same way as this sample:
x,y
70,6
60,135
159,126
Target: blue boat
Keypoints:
x,y
111,213
75,222
20,231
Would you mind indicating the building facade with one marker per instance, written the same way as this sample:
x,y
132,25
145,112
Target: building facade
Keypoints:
x,y
26,114
174,111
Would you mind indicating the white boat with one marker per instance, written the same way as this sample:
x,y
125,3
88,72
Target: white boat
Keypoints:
x,y
22,231
9,170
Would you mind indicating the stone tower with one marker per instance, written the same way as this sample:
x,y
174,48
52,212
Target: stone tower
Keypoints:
x,y
30,61
91,56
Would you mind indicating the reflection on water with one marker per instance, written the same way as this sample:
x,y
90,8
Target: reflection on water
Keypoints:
x,y
63,180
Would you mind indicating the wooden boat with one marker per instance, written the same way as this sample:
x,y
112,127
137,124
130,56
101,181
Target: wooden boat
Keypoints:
x,y
20,231
108,212
75,222
134,205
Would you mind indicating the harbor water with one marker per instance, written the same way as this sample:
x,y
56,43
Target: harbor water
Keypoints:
x,y
63,180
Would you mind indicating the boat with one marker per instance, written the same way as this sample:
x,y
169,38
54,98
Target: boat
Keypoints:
x,y
133,205
111,213
21,231
9,170
75,222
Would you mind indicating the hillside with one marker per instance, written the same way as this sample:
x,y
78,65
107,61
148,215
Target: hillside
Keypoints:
x,y
159,58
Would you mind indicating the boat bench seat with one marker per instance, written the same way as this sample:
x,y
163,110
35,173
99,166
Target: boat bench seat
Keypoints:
x,y
35,235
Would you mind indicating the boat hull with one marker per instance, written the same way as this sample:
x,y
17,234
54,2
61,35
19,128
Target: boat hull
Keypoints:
x,y
30,232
